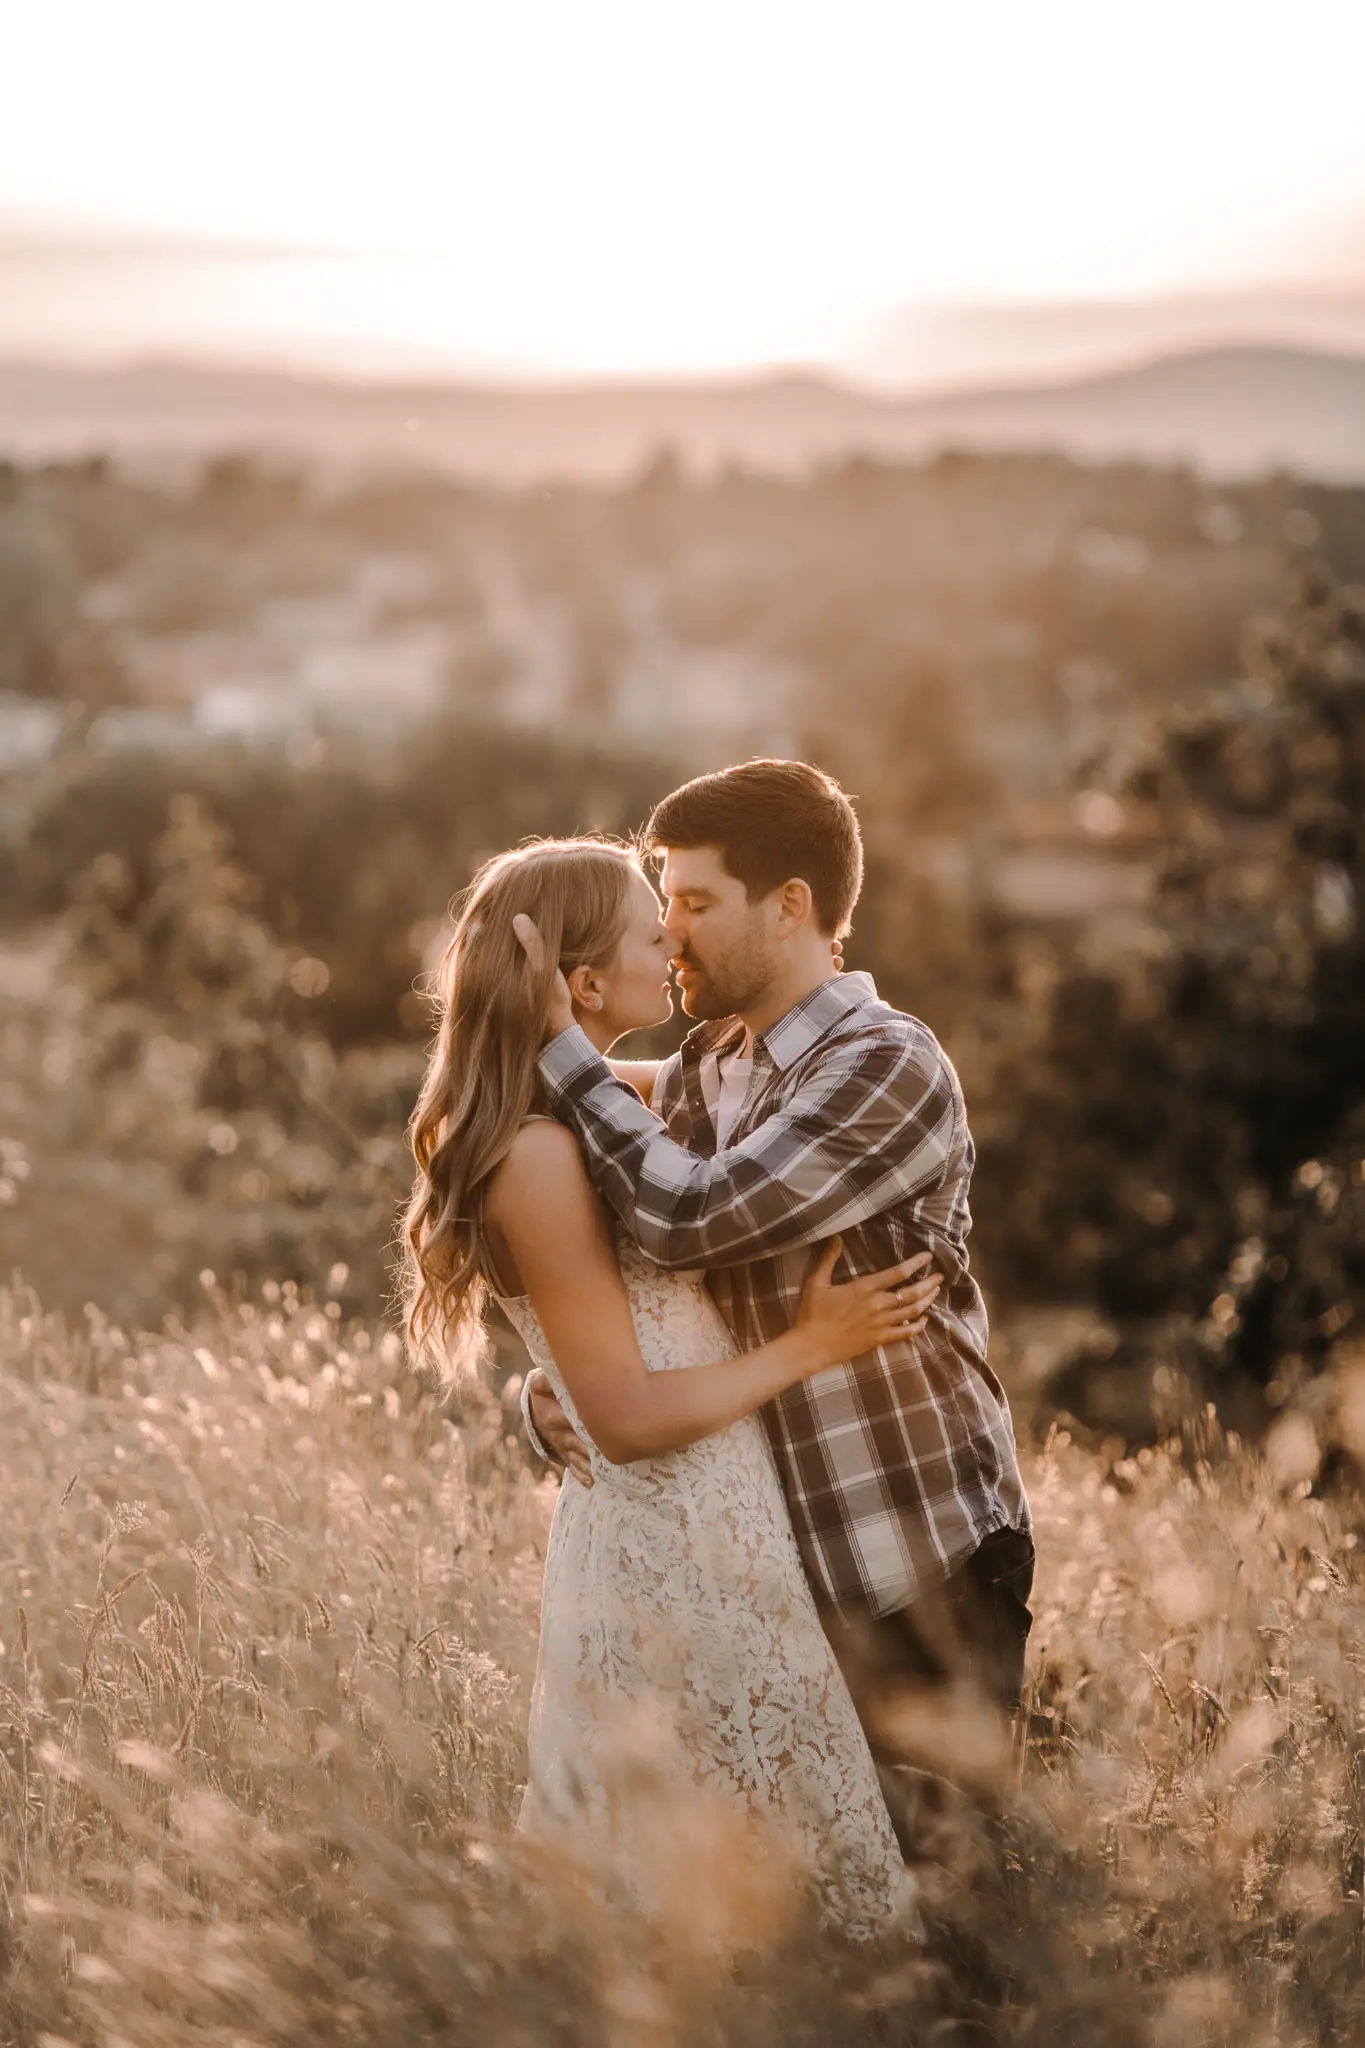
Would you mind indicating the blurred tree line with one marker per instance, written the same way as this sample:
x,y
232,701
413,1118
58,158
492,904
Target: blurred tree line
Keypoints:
x,y
1169,1117
354,864
994,574
1183,1142
219,1070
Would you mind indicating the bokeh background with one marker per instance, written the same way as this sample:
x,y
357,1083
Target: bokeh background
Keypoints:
x,y
425,426
421,440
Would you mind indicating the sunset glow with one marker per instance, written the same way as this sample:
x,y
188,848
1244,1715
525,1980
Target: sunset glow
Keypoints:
x,y
609,189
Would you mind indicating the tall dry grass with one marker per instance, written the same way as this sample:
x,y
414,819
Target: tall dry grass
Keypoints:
x,y
268,1617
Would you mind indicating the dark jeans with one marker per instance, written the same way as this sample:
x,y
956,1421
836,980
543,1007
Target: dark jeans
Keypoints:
x,y
968,1632
971,1629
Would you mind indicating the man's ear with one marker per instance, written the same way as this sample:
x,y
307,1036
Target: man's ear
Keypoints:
x,y
794,908
585,988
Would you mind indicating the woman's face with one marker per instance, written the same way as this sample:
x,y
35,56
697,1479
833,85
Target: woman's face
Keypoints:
x,y
635,986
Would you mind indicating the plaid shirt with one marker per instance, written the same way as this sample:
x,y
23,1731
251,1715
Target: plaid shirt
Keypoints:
x,y
899,1463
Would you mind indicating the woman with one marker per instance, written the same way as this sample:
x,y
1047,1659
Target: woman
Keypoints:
x,y
679,1639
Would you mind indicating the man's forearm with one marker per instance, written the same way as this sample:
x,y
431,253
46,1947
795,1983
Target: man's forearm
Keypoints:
x,y
639,1075
871,1129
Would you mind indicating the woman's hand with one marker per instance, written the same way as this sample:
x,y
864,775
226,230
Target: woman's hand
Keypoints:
x,y
857,1315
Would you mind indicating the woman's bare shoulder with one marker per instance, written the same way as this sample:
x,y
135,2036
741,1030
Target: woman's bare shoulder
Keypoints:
x,y
543,1165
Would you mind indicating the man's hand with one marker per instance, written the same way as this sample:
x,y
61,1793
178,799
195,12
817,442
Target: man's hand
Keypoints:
x,y
560,1013
554,1429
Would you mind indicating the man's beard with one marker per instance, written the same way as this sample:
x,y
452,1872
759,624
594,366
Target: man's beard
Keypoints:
x,y
706,1002
732,987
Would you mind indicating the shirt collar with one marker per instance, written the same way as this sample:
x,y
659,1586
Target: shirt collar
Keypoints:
x,y
804,1024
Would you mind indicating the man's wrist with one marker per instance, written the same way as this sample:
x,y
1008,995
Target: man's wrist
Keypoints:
x,y
533,1435
564,1063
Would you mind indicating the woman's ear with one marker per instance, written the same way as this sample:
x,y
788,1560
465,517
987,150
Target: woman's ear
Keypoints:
x,y
585,988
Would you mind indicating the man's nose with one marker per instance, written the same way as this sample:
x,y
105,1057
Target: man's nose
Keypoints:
x,y
674,922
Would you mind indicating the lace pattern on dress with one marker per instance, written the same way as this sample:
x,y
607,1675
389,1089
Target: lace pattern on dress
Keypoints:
x,y
680,1645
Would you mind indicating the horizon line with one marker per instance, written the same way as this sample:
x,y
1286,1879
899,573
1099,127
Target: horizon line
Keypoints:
x,y
559,385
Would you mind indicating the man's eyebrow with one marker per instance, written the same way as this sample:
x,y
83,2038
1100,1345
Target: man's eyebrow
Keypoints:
x,y
698,895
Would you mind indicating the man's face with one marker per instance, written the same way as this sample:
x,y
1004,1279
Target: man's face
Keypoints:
x,y
724,955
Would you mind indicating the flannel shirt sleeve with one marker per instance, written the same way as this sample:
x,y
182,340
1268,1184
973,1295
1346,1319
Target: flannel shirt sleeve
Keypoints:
x,y
667,1088
873,1124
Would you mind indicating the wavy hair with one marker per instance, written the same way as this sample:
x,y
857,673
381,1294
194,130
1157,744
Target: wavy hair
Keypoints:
x,y
481,1080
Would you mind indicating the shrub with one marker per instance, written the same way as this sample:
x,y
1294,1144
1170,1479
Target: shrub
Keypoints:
x,y
1185,1135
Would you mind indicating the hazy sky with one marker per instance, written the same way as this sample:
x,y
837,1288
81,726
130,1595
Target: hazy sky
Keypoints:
x,y
585,186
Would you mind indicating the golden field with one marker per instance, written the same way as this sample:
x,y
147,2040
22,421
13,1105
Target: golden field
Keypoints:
x,y
268,1621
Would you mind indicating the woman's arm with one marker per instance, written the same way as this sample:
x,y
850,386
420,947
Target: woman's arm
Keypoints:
x,y
542,1206
639,1075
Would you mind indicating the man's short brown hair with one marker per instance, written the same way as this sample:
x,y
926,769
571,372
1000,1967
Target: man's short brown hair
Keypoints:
x,y
773,822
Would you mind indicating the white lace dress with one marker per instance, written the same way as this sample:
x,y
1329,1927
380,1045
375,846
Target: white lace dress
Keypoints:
x,y
683,1678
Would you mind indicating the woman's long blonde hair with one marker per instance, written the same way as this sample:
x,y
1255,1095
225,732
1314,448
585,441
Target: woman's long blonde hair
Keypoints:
x,y
481,1077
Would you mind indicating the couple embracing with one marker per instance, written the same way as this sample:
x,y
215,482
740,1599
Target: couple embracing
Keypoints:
x,y
759,1351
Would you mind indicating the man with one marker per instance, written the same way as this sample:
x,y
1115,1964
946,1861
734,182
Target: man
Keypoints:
x,y
800,1107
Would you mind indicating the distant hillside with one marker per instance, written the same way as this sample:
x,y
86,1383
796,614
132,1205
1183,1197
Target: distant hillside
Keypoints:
x,y
1231,411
